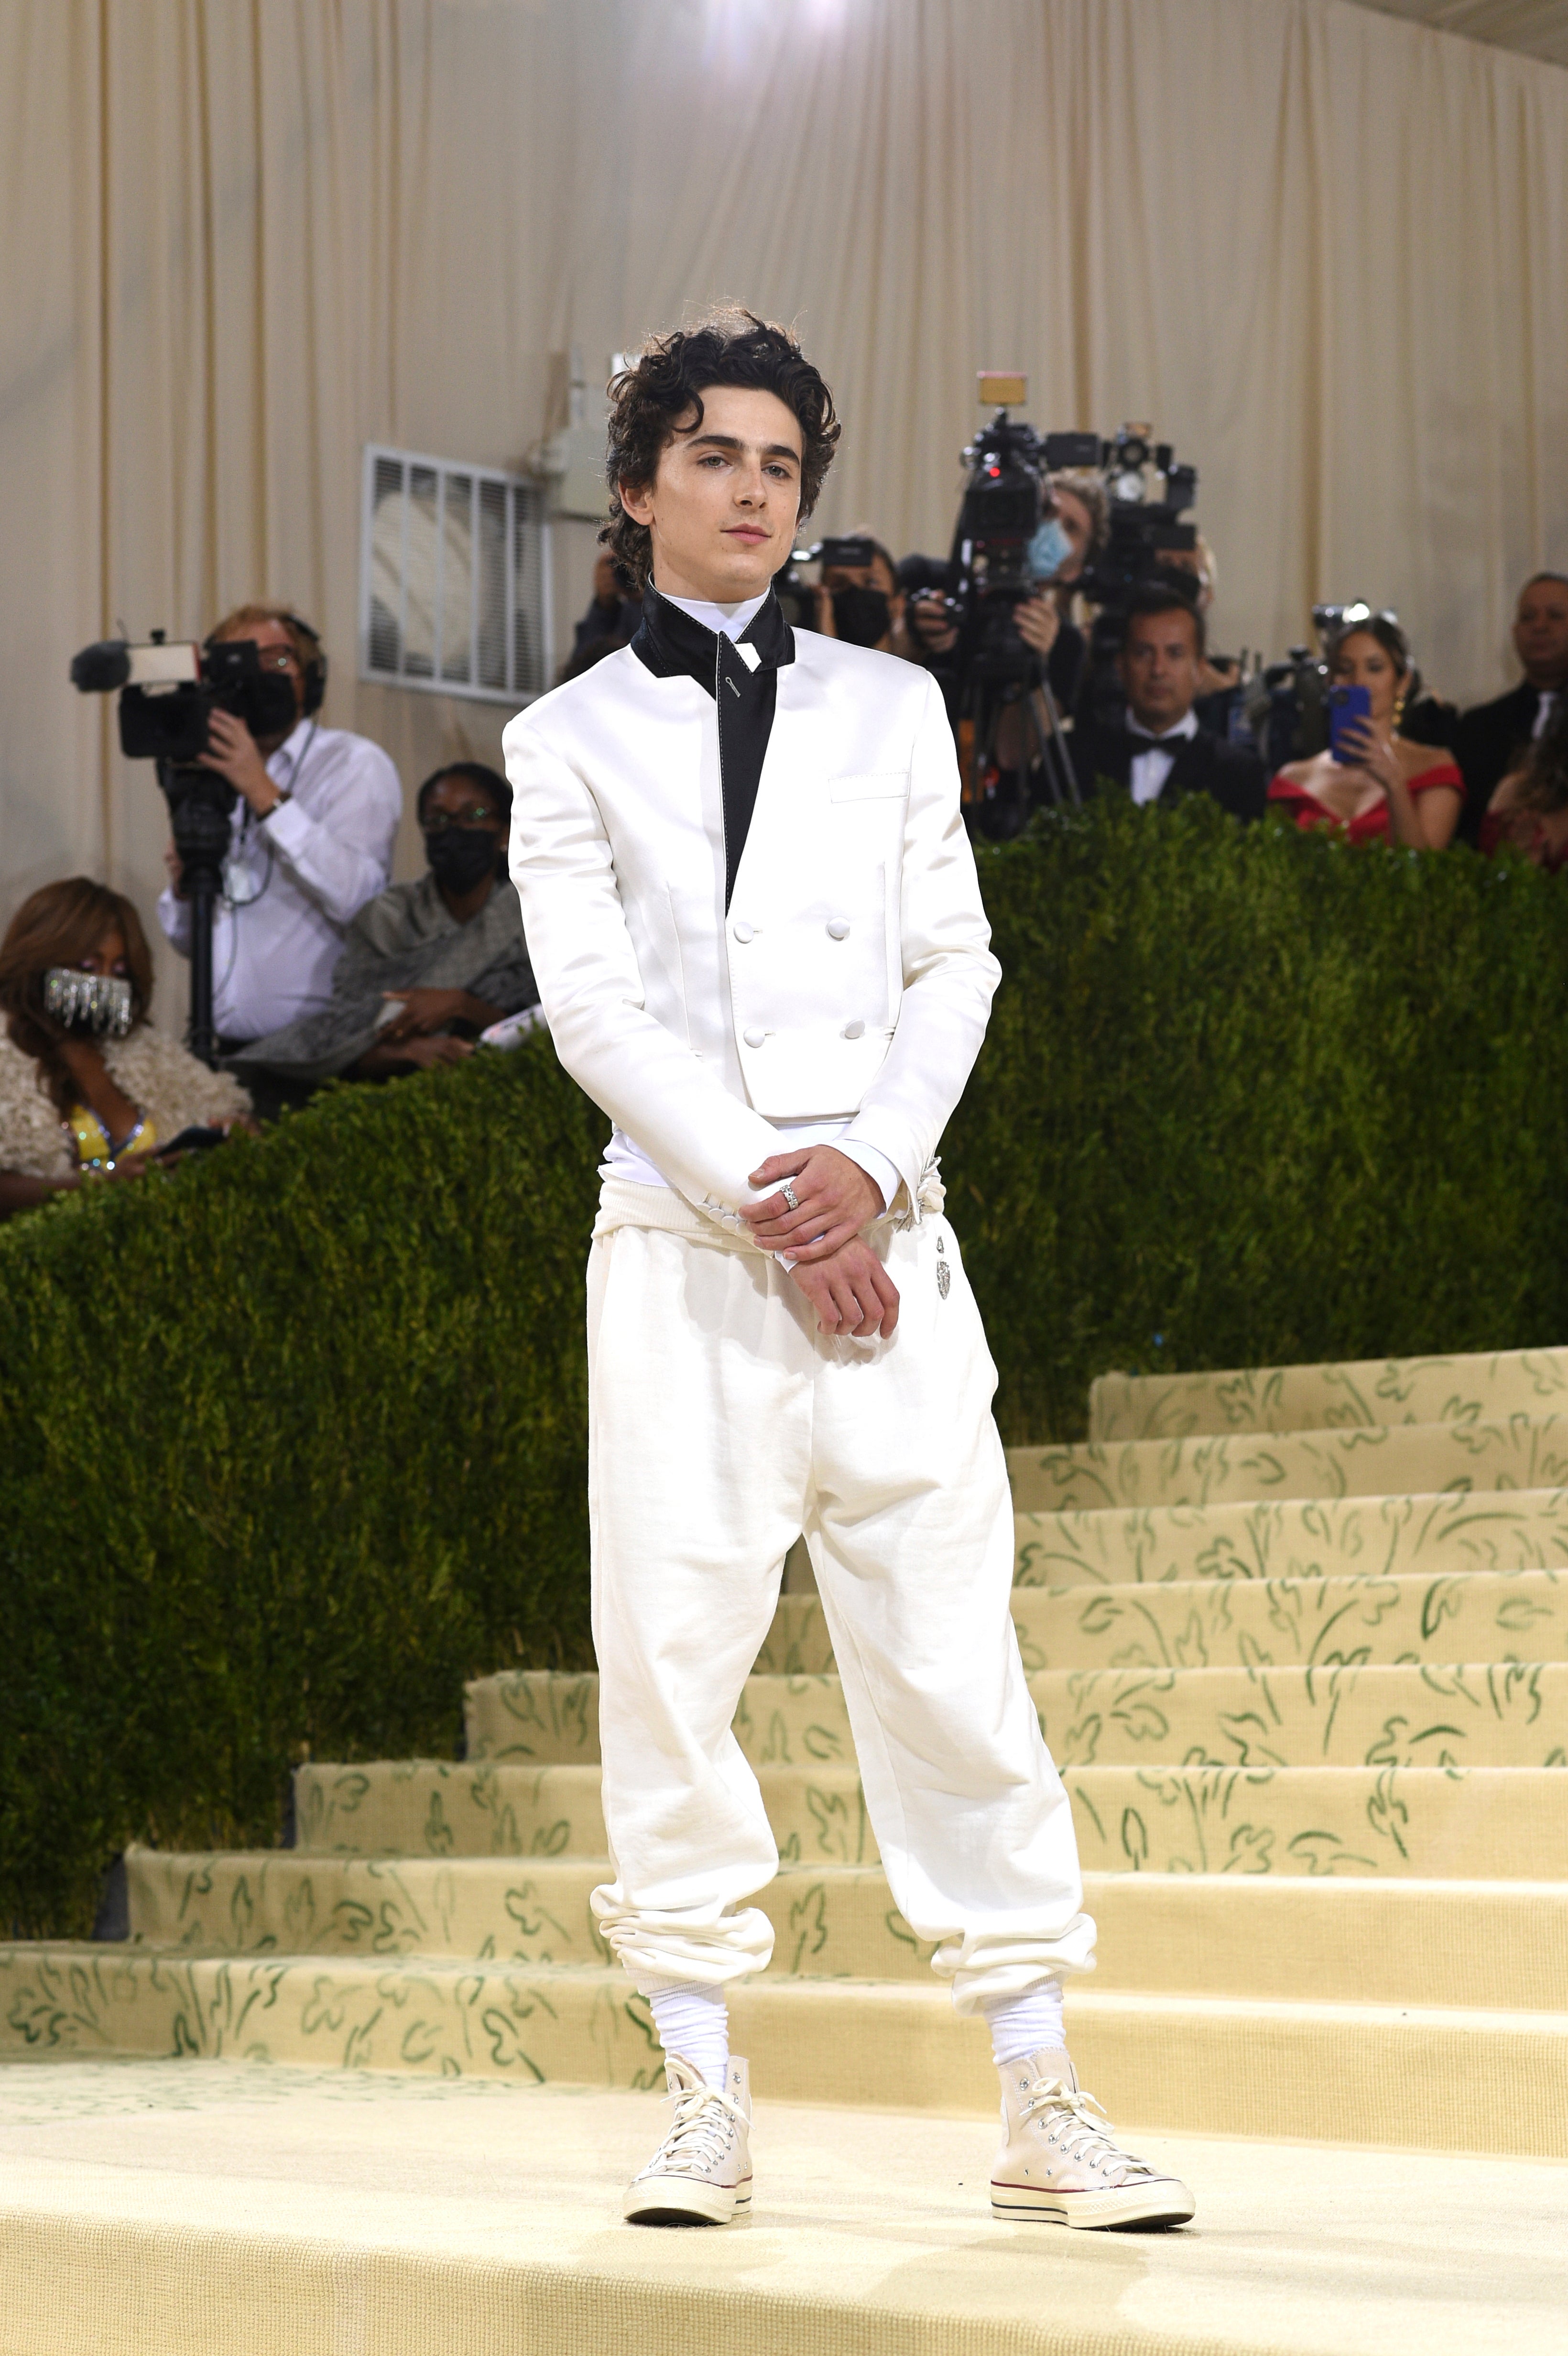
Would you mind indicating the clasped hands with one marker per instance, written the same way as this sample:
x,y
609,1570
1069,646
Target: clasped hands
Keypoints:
x,y
833,1264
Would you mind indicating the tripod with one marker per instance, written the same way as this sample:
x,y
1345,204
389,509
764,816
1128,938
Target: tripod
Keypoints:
x,y
998,685
201,805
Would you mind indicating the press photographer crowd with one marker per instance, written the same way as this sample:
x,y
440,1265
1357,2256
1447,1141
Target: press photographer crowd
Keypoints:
x,y
1067,629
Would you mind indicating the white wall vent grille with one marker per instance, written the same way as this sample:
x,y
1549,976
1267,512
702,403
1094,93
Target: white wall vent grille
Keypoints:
x,y
454,589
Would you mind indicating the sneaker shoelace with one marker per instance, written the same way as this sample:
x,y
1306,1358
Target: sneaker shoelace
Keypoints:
x,y
1084,2133
696,2137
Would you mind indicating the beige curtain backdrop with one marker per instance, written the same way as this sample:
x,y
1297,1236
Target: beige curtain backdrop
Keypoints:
x,y
1324,249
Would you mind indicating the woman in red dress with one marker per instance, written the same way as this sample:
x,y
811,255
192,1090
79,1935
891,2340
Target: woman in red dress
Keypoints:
x,y
1395,791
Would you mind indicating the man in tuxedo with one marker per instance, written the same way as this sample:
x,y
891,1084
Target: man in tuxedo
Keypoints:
x,y
1159,753
1493,736
756,924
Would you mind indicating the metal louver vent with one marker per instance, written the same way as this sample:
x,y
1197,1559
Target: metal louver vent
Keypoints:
x,y
453,579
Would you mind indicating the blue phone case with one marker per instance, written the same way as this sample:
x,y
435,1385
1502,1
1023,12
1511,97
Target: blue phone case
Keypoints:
x,y
1347,705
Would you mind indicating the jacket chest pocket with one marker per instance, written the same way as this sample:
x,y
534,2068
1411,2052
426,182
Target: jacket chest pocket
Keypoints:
x,y
869,785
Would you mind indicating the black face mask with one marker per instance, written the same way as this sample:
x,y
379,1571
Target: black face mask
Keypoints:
x,y
862,617
462,856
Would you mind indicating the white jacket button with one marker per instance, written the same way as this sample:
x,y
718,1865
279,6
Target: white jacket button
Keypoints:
x,y
754,1038
854,1030
838,928
741,929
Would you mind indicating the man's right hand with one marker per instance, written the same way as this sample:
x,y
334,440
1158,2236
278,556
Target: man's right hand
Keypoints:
x,y
851,1291
174,868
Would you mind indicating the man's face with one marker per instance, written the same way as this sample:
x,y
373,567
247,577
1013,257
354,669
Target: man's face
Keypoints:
x,y
1540,633
723,505
275,648
1159,668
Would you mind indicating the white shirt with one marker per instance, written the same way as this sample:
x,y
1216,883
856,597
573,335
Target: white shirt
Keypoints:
x,y
296,878
1545,710
1151,769
622,1158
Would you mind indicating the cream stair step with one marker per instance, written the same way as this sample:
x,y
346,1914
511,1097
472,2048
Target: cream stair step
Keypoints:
x,y
1523,1452
202,2209
445,1807
1415,1535
1301,1398
1485,1714
836,1920
1469,1823
1310,1941
1204,1623
1423,2077
1495,1616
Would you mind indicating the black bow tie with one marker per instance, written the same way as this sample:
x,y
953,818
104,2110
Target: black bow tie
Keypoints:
x,y
671,644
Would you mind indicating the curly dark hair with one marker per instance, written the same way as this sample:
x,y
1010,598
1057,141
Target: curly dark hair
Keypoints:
x,y
61,925
662,394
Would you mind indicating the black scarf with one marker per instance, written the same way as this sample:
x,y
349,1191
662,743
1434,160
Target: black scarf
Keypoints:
x,y
672,646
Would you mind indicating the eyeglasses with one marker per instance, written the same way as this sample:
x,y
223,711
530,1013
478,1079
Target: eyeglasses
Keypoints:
x,y
477,814
277,658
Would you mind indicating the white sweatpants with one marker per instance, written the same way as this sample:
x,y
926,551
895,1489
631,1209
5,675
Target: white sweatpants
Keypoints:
x,y
721,1423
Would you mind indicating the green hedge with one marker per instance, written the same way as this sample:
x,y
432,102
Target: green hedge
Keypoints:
x,y
291,1441
1251,1096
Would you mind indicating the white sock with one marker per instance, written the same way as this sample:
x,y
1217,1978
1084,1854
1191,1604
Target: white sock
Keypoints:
x,y
1021,2025
693,2020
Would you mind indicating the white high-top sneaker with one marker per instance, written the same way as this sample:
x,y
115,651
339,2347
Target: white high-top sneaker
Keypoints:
x,y
701,2173
1059,2164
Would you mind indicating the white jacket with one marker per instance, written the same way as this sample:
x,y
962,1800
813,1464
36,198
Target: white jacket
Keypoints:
x,y
852,976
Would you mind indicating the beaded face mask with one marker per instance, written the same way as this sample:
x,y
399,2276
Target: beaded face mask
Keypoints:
x,y
88,1002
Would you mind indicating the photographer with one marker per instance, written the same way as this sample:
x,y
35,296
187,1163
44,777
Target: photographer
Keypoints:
x,y
613,613
1159,753
862,602
311,841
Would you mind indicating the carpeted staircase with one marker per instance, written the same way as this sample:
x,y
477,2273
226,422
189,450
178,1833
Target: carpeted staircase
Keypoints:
x,y
1299,1642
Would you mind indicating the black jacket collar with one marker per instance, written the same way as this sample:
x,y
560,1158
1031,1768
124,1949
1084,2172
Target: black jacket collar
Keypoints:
x,y
672,646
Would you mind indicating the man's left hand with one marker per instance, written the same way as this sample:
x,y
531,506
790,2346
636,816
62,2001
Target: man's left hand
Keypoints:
x,y
834,1197
232,750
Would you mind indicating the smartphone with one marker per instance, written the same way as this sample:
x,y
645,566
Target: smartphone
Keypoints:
x,y
1347,707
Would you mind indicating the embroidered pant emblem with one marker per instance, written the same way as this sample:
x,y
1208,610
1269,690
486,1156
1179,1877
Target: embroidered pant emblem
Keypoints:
x,y
944,1278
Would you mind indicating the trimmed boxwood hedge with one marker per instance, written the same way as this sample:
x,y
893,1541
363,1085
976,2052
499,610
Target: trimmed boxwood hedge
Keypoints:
x,y
292,1440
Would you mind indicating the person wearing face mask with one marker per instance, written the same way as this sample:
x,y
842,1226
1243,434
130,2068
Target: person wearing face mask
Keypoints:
x,y
427,965
861,603
89,1090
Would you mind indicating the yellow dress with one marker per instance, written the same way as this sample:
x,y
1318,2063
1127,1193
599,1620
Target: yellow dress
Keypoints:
x,y
95,1150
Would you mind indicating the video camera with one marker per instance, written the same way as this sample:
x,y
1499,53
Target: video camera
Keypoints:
x,y
1006,500
169,694
1288,709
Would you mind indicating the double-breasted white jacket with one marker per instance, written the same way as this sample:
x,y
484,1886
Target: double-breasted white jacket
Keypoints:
x,y
852,974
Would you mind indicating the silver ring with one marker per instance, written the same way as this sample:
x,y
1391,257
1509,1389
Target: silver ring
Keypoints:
x,y
789,1194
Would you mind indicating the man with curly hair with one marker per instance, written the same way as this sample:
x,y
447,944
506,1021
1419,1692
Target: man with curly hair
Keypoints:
x,y
755,923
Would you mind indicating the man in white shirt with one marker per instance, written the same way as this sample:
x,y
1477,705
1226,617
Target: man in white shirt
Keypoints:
x,y
753,915
310,842
1160,754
